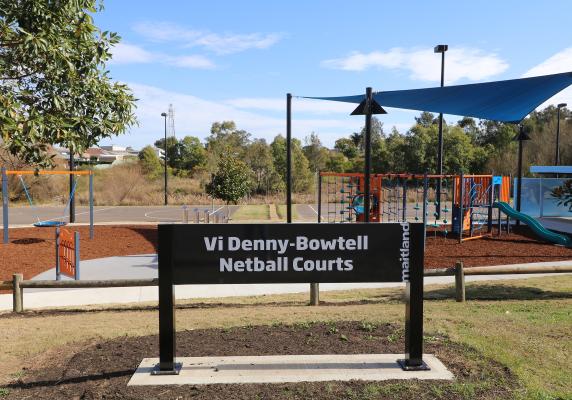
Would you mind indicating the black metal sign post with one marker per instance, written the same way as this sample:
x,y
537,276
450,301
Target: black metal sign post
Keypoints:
x,y
167,338
291,253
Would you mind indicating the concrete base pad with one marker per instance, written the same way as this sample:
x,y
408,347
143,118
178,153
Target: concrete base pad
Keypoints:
x,y
288,368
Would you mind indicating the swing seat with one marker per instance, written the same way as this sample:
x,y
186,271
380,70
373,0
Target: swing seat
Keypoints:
x,y
49,224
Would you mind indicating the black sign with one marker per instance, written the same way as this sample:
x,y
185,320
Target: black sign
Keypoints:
x,y
291,253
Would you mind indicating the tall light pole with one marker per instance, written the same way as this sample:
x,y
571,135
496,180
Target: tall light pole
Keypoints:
x,y
164,115
440,48
558,107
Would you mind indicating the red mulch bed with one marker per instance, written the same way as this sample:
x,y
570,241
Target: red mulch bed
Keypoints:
x,y
31,250
519,247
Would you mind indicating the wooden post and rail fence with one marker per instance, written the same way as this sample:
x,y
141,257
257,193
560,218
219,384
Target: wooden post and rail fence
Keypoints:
x,y
18,284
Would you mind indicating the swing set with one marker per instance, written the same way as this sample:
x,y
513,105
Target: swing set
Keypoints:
x,y
47,223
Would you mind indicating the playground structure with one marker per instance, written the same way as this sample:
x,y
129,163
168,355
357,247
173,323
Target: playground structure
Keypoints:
x,y
54,222
464,205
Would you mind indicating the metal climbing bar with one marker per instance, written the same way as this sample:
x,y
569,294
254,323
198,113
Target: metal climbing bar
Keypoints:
x,y
31,172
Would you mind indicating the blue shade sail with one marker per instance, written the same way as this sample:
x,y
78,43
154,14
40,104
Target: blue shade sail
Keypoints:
x,y
506,101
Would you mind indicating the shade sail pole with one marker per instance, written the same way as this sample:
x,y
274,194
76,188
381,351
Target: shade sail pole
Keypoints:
x,y
367,140
289,158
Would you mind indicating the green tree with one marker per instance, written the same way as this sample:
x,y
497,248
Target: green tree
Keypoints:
x,y
225,138
315,152
347,147
421,148
458,151
172,150
54,88
380,159
258,156
396,152
376,134
150,162
231,182
302,178
337,162
191,153
225,133
426,119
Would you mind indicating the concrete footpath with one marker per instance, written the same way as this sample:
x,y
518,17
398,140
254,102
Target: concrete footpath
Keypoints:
x,y
145,266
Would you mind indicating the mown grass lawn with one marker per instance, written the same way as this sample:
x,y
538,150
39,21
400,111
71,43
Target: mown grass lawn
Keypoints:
x,y
523,324
255,212
281,211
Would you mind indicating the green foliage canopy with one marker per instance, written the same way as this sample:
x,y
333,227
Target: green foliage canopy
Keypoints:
x,y
54,89
231,182
150,162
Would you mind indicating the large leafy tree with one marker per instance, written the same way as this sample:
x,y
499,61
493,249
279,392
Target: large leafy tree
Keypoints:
x,y
302,178
225,138
54,88
192,153
316,154
258,156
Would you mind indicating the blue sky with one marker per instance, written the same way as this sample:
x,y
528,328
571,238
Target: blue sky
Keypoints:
x,y
236,60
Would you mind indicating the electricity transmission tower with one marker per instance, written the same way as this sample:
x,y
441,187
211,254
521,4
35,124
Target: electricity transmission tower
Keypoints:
x,y
171,121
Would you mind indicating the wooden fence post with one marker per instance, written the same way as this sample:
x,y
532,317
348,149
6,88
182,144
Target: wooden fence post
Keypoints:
x,y
17,293
314,294
459,282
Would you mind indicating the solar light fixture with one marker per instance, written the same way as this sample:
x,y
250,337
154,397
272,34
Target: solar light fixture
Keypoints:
x,y
441,48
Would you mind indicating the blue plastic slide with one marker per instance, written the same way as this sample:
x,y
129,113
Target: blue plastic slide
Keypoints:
x,y
536,226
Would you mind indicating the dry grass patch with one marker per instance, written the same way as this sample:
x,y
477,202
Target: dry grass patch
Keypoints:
x,y
523,324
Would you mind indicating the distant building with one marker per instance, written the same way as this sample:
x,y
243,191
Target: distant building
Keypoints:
x,y
113,148
98,155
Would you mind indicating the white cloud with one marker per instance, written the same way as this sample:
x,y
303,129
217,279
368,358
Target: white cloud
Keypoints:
x,y
299,105
194,116
460,63
125,53
194,61
227,43
559,62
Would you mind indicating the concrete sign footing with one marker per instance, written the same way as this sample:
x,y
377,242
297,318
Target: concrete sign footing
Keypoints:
x,y
287,368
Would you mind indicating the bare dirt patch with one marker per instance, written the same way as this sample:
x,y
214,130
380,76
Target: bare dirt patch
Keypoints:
x,y
102,369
